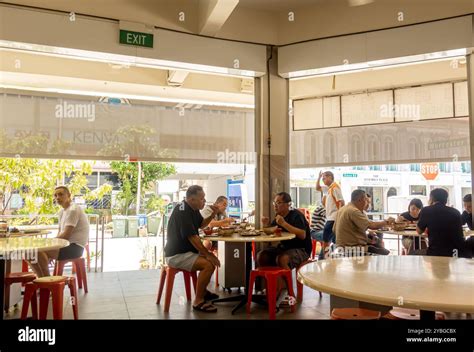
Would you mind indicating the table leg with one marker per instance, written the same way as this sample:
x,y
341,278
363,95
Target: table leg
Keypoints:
x,y
242,298
427,315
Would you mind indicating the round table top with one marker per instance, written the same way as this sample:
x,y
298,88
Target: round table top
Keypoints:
x,y
418,282
262,238
8,245
411,233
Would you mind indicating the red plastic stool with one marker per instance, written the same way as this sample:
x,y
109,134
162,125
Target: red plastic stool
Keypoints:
x,y
167,274
354,314
78,265
299,285
271,275
54,285
15,278
408,314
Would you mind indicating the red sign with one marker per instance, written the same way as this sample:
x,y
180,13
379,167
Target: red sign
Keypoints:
x,y
430,171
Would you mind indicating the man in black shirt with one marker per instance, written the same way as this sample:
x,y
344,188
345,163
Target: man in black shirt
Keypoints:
x,y
466,216
184,249
445,235
290,253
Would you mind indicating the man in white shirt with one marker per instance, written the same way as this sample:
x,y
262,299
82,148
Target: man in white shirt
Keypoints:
x,y
334,201
73,226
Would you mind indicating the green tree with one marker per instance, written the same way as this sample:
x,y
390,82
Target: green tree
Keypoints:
x,y
34,180
127,173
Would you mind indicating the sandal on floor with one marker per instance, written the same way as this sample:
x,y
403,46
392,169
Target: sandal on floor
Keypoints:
x,y
205,307
209,296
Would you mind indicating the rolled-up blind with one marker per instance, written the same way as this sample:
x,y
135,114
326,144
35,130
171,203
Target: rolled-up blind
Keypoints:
x,y
55,127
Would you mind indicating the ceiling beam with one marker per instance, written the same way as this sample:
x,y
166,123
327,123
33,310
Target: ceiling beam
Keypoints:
x,y
213,14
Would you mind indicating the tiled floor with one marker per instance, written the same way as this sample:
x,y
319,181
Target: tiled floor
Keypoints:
x,y
132,295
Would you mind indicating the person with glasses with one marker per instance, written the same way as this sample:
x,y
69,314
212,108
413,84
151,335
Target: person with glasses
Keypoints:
x,y
288,254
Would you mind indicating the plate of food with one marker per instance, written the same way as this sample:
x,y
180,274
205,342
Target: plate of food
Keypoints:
x,y
251,233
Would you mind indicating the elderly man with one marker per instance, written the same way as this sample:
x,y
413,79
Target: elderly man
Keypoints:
x,y
290,253
184,248
351,226
220,219
73,226
334,201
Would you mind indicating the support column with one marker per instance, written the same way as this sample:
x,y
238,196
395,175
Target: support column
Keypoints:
x,y
272,137
470,87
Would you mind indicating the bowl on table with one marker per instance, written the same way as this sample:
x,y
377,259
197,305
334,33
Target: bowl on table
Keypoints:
x,y
226,231
208,231
270,230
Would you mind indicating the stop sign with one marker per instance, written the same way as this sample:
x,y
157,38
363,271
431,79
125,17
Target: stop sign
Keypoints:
x,y
430,171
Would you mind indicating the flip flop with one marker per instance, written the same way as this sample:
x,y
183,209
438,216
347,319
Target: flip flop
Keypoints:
x,y
205,307
209,296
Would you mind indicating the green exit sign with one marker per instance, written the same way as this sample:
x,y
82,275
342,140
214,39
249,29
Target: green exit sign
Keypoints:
x,y
136,38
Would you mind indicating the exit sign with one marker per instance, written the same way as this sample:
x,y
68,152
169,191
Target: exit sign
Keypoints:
x,y
136,38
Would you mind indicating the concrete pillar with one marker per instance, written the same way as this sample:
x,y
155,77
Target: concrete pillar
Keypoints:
x,y
470,87
272,137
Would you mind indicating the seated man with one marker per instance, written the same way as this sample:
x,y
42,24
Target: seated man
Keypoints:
x,y
184,249
73,226
445,234
318,219
290,253
466,216
220,219
352,223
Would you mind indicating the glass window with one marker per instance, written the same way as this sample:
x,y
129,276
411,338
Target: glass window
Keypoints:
x,y
294,195
417,190
304,199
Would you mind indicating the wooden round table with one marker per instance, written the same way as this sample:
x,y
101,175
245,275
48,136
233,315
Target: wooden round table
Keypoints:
x,y
418,282
242,299
22,248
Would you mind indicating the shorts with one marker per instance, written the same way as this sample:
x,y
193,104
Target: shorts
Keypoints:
x,y
328,234
297,255
184,261
72,251
317,235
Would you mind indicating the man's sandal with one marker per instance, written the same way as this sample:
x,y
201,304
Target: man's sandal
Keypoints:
x,y
205,307
209,296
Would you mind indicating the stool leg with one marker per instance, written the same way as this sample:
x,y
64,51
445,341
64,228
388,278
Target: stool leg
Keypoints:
x,y
59,267
44,302
313,248
299,291
289,284
76,266
187,284
253,275
84,275
29,290
169,289
34,305
194,278
58,300
6,299
271,295
217,277
74,301
162,284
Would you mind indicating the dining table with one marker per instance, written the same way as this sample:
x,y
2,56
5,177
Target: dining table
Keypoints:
x,y
239,238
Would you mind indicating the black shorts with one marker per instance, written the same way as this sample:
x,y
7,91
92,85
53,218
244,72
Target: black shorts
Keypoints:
x,y
72,251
